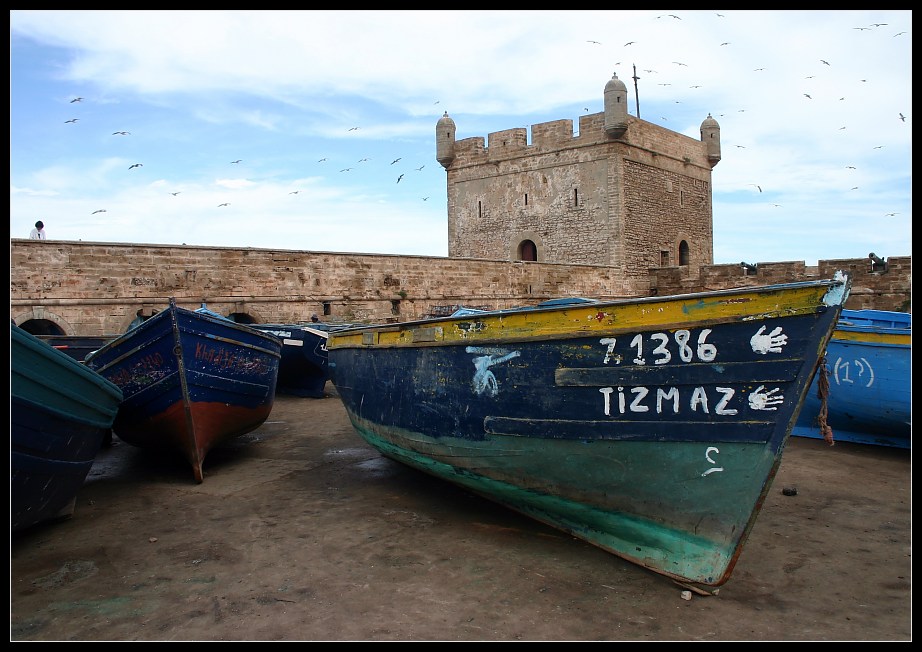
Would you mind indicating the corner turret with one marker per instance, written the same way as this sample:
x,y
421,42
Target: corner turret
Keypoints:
x,y
615,107
445,141
710,135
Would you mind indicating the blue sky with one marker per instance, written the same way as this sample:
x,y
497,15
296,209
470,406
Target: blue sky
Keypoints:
x,y
325,110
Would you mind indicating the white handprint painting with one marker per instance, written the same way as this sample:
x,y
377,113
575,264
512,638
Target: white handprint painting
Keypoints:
x,y
765,400
770,343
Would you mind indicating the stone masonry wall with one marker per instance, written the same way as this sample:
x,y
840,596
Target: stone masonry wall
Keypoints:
x,y
95,289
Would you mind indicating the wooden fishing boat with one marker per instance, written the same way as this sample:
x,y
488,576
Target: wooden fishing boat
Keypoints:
x,y
60,413
303,368
650,427
865,395
191,380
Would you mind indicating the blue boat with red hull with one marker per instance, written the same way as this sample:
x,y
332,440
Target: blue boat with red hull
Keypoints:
x,y
649,427
191,380
866,395
60,414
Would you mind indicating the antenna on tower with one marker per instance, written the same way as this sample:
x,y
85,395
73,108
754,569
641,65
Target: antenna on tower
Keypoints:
x,y
636,94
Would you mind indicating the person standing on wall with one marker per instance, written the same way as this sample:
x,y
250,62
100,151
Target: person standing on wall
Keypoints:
x,y
38,233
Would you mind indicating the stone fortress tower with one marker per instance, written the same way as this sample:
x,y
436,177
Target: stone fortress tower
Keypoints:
x,y
624,192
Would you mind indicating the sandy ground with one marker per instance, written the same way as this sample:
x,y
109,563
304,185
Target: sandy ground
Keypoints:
x,y
302,532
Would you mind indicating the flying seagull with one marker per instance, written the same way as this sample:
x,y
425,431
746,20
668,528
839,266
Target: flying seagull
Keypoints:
x,y
824,61
596,42
136,165
399,178
902,117
76,99
629,43
420,168
807,96
176,193
294,192
394,161
121,133
224,204
71,120
101,210
239,160
425,198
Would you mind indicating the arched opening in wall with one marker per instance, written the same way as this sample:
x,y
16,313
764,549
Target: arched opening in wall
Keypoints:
x,y
41,327
683,253
241,318
528,250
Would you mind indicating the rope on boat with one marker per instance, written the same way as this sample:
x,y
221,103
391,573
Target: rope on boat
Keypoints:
x,y
822,393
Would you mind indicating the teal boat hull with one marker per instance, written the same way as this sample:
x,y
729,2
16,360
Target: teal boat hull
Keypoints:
x,y
60,414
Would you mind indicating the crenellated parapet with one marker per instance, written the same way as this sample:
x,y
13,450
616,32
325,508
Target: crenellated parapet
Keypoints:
x,y
647,138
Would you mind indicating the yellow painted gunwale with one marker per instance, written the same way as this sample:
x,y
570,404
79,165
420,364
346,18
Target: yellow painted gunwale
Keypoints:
x,y
580,320
902,339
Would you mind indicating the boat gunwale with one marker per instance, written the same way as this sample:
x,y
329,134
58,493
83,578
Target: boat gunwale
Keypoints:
x,y
594,305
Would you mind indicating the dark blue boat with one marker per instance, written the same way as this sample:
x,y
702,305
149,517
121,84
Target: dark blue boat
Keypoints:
x,y
303,369
60,413
864,394
191,379
650,427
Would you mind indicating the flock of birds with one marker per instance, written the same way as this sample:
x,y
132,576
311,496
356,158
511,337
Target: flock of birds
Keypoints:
x,y
237,161
401,176
824,62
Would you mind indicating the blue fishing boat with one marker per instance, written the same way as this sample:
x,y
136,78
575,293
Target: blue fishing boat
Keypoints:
x,y
60,413
650,427
864,396
191,380
303,368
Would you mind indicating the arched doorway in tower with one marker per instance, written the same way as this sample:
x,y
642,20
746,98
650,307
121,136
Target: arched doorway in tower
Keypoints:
x,y
683,253
528,250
